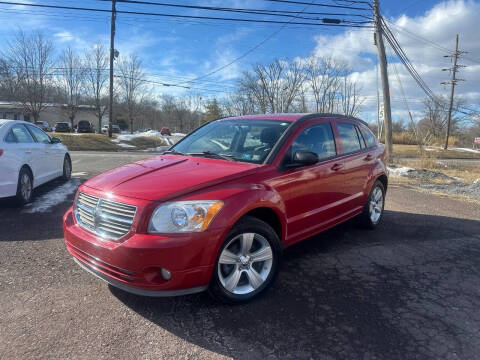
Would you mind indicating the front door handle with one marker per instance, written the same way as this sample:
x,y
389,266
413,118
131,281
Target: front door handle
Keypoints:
x,y
28,151
337,167
368,157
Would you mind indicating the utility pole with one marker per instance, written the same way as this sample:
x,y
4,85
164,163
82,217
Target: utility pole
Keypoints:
x,y
112,56
452,83
387,111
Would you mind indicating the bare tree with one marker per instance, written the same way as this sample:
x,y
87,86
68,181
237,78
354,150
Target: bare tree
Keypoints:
x,y
9,83
96,78
31,61
132,81
324,75
350,101
72,81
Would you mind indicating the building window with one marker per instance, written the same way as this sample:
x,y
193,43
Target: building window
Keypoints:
x,y
15,116
26,117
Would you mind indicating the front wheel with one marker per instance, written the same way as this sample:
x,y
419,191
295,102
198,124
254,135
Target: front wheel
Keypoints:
x,y
373,211
247,263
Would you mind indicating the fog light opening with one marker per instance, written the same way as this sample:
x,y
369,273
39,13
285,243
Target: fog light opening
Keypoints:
x,y
166,274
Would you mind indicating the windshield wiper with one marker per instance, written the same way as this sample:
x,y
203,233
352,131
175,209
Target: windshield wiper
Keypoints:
x,y
214,155
174,152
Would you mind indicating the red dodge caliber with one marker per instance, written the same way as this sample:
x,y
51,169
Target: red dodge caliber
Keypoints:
x,y
217,209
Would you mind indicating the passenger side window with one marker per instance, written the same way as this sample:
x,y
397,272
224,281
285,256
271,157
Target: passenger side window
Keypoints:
x,y
318,139
39,135
369,137
21,134
348,137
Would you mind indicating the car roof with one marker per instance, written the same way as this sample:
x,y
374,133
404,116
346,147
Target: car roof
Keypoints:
x,y
5,121
292,117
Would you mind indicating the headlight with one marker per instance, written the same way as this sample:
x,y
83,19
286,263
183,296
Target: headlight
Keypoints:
x,y
184,216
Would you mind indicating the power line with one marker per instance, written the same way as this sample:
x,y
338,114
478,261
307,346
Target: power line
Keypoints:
x,y
411,69
427,41
322,5
182,16
245,54
283,13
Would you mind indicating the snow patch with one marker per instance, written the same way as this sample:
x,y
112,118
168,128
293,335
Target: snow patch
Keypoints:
x,y
53,197
466,150
126,145
399,171
129,137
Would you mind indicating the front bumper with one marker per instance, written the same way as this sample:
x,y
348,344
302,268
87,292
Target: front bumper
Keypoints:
x,y
135,264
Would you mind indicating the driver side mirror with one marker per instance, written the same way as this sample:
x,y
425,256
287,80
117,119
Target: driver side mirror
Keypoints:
x,y
55,140
302,158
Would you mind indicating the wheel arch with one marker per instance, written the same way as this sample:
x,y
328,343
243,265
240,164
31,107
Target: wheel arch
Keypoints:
x,y
384,180
29,169
269,216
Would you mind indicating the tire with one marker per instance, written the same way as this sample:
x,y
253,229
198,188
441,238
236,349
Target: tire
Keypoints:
x,y
373,210
24,187
247,262
67,168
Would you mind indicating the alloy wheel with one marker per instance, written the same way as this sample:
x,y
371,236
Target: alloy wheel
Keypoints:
x,y
67,169
245,263
26,186
376,204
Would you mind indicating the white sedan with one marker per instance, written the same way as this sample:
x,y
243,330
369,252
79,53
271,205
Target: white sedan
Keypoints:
x,y
29,158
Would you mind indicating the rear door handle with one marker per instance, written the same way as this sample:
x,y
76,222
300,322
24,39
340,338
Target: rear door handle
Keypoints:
x,y
368,157
337,167
28,151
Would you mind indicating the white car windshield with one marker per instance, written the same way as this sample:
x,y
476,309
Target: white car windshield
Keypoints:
x,y
240,140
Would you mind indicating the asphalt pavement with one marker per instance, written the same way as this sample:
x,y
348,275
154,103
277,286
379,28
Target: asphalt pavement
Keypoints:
x,y
408,290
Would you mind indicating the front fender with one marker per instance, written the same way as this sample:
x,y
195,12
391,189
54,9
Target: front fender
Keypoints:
x,y
240,201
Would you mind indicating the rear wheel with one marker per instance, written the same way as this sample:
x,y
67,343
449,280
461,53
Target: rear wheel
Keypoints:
x,y
373,211
25,187
247,263
67,168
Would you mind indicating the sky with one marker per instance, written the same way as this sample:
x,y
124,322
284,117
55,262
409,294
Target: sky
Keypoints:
x,y
177,50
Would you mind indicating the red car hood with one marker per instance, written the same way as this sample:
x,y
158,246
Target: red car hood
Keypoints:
x,y
167,176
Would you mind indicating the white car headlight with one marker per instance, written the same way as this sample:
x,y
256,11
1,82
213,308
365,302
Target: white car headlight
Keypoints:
x,y
184,216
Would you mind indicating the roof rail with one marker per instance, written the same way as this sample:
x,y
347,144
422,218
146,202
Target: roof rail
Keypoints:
x,y
341,116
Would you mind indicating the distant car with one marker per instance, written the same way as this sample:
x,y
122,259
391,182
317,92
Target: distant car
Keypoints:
x,y
165,131
115,129
45,126
29,158
63,127
476,142
85,126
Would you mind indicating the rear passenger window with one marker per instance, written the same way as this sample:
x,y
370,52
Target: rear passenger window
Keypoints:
x,y
21,134
369,137
10,138
348,137
360,138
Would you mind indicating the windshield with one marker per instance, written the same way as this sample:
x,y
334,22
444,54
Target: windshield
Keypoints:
x,y
240,140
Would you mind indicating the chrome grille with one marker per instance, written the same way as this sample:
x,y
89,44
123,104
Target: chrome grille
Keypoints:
x,y
109,219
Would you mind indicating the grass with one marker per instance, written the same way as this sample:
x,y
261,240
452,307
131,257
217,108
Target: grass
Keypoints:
x,y
412,151
101,142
